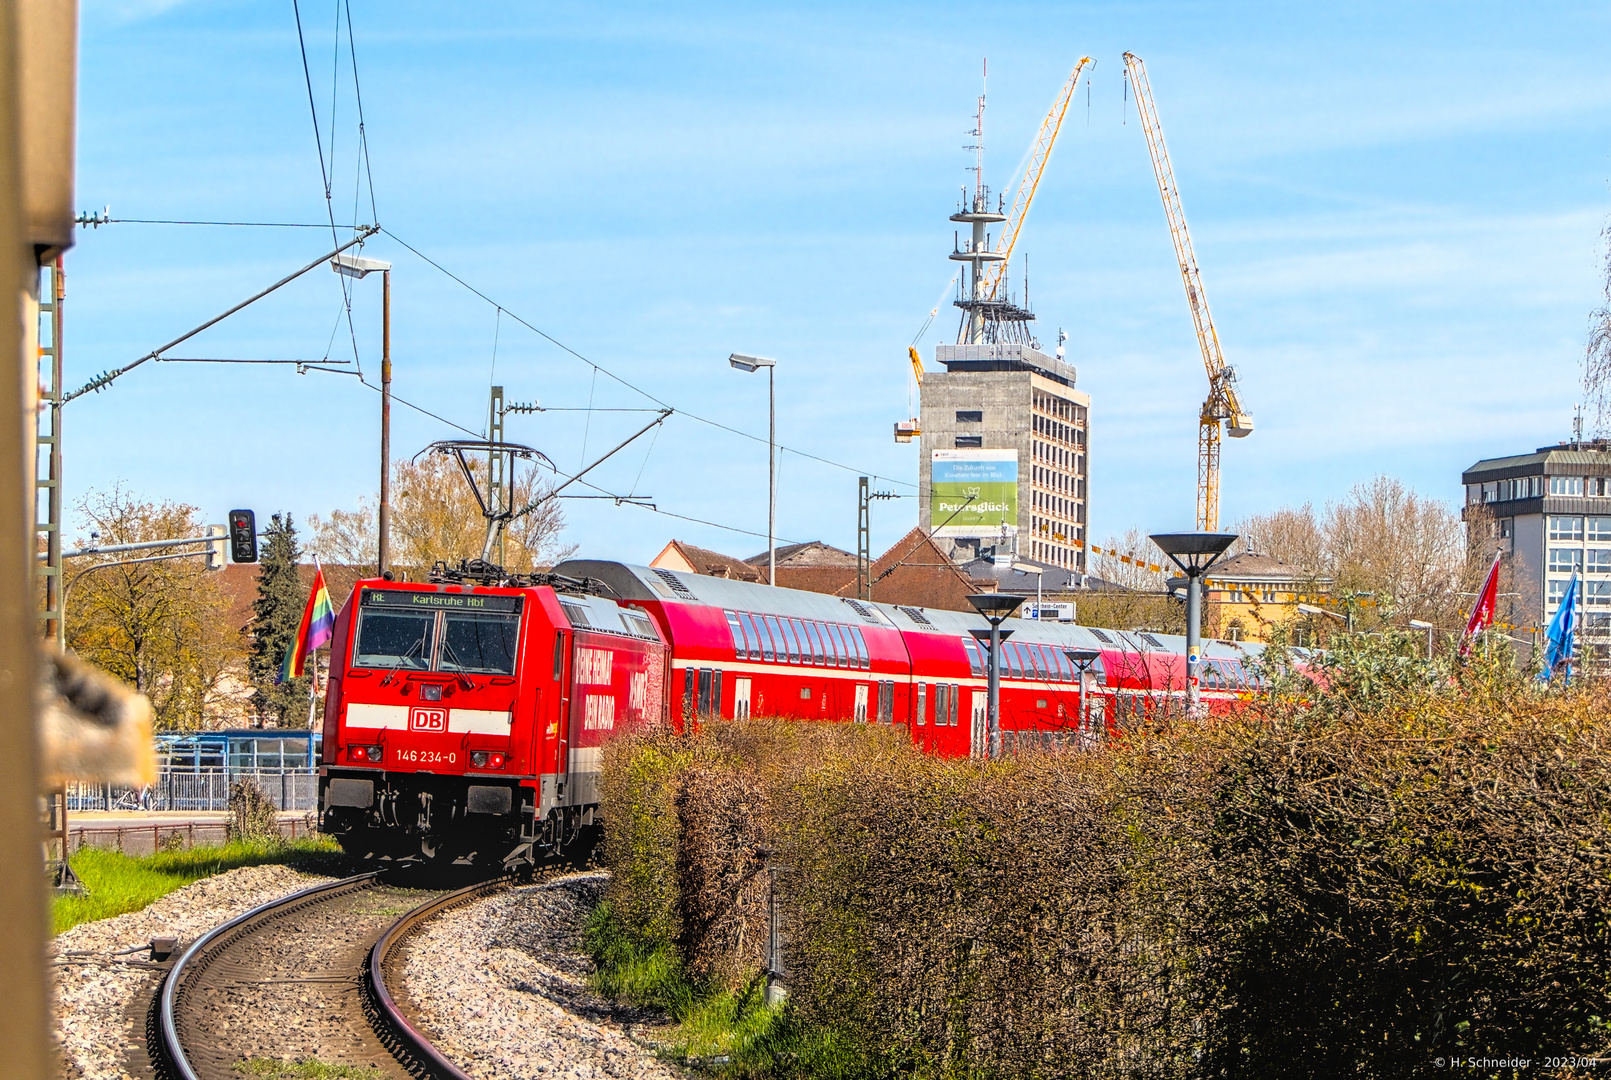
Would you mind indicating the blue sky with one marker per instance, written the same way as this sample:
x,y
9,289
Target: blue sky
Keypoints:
x,y
1397,209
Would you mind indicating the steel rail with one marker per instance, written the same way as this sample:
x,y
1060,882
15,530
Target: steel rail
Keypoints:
x,y
199,955
415,1043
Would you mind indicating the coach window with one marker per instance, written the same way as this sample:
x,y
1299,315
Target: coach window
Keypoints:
x,y
741,648
766,638
1015,665
803,638
841,649
752,640
942,697
975,658
780,648
922,703
794,642
704,691
864,659
815,641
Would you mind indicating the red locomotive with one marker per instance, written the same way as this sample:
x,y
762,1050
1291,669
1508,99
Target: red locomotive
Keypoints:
x,y
464,717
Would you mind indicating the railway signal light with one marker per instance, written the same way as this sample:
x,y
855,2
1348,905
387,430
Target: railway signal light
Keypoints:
x,y
242,536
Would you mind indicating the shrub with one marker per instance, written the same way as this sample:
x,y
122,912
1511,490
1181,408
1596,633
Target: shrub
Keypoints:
x,y
1371,867
252,814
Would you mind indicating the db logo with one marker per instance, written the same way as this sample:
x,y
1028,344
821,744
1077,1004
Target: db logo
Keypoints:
x,y
428,720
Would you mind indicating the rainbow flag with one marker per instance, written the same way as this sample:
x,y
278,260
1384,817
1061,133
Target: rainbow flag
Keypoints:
x,y
317,628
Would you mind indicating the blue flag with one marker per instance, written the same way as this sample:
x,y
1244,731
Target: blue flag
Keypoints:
x,y
1558,645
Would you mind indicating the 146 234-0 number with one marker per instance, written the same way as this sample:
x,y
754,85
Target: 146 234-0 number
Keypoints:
x,y
426,757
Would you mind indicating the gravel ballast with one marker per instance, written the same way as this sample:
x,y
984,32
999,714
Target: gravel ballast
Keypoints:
x,y
102,1001
500,986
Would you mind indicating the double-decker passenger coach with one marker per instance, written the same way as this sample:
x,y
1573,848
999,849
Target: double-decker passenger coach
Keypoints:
x,y
465,719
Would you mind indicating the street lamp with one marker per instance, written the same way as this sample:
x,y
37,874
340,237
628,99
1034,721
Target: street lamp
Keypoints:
x,y
751,364
358,266
996,608
1417,624
1040,573
1083,659
1194,553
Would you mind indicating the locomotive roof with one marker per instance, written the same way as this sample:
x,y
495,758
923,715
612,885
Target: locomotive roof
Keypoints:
x,y
642,583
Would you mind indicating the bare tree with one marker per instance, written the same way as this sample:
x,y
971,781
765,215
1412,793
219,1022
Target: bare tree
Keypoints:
x,y
435,516
1139,597
1597,355
1291,535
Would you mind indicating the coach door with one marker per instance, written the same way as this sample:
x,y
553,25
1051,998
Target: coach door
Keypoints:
x,y
981,704
861,703
741,699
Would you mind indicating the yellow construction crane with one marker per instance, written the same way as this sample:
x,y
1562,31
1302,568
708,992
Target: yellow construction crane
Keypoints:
x,y
1222,406
1039,155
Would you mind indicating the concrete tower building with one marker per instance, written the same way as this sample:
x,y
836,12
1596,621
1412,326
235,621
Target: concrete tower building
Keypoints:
x,y
1004,431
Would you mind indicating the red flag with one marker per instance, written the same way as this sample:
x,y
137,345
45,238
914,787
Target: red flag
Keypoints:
x,y
1482,616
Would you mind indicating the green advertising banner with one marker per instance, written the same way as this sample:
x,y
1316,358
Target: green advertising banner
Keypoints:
x,y
973,492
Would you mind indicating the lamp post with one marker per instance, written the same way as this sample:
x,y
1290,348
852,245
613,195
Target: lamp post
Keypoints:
x,y
1040,575
1194,553
1083,659
1417,624
996,608
357,266
754,363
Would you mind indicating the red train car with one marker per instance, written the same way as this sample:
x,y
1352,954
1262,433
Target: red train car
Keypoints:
x,y
740,648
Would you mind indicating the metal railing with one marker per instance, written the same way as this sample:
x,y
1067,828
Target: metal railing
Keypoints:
x,y
199,790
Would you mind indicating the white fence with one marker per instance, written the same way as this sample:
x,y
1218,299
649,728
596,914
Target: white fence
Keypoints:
x,y
199,790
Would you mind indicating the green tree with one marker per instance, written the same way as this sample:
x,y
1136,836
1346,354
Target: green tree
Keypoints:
x,y
161,626
276,614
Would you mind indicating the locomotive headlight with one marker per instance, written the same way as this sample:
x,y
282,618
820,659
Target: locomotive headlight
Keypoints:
x,y
479,759
487,759
364,753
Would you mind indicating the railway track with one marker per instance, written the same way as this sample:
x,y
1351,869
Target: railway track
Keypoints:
x,y
305,977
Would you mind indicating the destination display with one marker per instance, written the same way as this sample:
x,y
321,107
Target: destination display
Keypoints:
x,y
399,599
973,492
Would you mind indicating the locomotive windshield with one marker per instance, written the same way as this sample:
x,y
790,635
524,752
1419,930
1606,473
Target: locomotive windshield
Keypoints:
x,y
484,642
432,631
395,639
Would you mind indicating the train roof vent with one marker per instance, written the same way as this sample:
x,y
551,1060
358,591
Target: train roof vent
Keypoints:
x,y
674,582
637,624
915,614
1100,636
861,609
576,613
1150,640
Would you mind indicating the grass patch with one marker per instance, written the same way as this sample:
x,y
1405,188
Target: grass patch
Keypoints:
x,y
119,884
725,1032
274,1069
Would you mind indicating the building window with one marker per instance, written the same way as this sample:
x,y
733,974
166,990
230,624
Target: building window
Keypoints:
x,y
1563,527
1599,593
1566,485
970,416
1565,560
1557,589
1600,528
1507,528
964,442
1599,560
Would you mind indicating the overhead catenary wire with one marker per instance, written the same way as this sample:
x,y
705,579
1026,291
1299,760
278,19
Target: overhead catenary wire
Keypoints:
x,y
601,369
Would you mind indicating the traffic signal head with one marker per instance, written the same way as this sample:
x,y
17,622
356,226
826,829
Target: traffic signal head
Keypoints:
x,y
242,536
